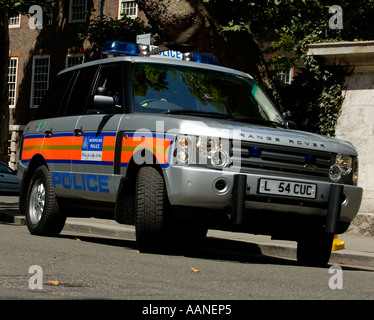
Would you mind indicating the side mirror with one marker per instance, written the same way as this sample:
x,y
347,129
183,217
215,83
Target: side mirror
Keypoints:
x,y
287,116
103,104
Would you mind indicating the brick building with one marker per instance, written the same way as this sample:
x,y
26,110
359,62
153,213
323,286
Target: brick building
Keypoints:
x,y
38,54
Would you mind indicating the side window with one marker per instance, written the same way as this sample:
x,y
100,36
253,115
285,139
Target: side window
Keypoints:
x,y
110,83
81,94
51,103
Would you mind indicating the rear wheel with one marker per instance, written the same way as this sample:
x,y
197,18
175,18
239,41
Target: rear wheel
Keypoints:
x,y
315,250
43,216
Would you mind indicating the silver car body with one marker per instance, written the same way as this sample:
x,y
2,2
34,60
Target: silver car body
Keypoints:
x,y
90,154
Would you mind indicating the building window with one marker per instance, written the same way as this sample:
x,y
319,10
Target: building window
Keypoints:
x,y
12,81
40,79
284,75
15,22
77,11
129,8
73,59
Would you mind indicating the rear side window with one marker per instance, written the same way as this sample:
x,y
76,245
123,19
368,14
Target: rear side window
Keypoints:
x,y
81,95
53,100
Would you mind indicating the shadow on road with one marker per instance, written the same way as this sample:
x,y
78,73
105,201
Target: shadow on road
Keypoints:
x,y
234,250
117,242
213,248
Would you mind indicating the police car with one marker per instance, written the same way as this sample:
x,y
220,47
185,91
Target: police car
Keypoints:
x,y
176,147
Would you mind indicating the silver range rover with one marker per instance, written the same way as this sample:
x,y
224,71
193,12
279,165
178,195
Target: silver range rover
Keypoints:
x,y
176,147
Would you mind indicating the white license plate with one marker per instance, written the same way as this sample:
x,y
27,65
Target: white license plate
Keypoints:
x,y
288,188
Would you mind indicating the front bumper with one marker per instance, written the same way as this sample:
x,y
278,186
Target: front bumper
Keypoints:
x,y
213,189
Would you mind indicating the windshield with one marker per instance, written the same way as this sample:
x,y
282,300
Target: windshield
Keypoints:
x,y
178,89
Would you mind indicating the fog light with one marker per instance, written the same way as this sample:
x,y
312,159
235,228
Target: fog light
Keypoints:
x,y
335,173
220,185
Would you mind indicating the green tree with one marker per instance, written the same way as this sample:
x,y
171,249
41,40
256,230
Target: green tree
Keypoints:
x,y
104,28
315,96
241,33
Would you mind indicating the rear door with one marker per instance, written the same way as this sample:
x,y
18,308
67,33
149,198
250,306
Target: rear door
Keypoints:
x,y
59,132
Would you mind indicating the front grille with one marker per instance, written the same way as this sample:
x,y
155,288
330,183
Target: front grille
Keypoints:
x,y
278,160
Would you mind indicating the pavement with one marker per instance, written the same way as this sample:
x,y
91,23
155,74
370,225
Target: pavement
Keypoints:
x,y
358,249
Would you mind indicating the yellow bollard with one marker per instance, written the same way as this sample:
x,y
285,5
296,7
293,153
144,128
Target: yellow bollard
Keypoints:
x,y
337,244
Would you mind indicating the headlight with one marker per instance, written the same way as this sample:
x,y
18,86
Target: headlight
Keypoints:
x,y
185,142
343,166
219,158
184,150
335,173
344,162
211,151
205,146
183,157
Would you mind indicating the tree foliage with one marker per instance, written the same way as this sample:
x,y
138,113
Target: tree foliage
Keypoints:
x,y
103,28
283,29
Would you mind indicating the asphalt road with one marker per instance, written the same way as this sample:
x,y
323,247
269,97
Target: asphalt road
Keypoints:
x,y
77,266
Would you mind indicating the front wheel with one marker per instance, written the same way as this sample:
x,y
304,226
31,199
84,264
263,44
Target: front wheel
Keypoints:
x,y
151,210
157,229
315,249
43,216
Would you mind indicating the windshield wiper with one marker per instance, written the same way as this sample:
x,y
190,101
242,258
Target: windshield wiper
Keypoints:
x,y
198,113
265,122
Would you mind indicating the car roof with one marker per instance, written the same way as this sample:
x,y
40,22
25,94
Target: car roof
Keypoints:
x,y
156,60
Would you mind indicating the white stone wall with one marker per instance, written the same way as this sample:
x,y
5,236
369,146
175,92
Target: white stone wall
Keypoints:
x,y
356,124
356,121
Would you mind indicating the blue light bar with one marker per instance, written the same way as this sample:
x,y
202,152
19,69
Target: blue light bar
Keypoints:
x,y
120,48
201,58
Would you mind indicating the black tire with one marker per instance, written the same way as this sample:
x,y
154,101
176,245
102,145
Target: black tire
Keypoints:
x,y
151,210
43,216
315,250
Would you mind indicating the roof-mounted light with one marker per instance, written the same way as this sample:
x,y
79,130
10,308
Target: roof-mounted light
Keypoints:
x,y
119,48
201,58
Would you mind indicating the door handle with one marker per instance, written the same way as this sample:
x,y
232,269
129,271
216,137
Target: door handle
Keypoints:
x,y
48,133
78,132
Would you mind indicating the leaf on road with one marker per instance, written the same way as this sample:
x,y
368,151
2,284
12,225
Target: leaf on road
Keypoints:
x,y
194,269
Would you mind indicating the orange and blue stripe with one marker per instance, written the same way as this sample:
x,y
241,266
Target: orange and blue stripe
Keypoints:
x,y
67,147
